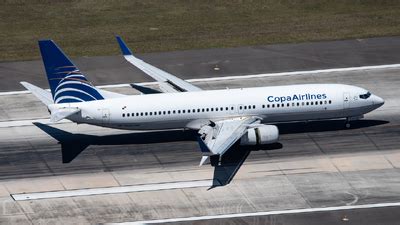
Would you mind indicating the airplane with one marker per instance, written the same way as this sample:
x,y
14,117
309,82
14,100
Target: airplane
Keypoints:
x,y
221,117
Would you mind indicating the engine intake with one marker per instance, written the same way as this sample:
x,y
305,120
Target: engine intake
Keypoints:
x,y
261,135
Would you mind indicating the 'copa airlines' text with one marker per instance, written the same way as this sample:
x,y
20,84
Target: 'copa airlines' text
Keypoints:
x,y
296,97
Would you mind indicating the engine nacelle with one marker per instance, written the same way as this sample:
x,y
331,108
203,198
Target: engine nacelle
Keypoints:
x,y
261,135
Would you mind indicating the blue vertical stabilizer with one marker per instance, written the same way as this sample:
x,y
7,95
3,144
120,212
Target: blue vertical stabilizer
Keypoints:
x,y
67,83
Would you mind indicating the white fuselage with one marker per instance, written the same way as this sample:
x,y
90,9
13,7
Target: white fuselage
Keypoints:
x,y
194,109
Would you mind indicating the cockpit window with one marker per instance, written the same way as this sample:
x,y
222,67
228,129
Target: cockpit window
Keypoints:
x,y
365,96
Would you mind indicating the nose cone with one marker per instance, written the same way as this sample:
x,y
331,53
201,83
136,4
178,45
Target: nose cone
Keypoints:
x,y
377,101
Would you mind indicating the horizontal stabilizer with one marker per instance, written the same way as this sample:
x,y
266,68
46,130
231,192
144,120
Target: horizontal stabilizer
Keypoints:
x,y
59,114
43,95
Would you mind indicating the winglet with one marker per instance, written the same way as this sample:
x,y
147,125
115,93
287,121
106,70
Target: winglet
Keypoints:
x,y
124,49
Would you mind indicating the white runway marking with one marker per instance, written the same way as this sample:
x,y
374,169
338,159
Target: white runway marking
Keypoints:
x,y
112,190
347,69
29,122
278,212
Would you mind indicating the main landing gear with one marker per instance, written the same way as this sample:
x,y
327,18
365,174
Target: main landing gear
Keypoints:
x,y
215,160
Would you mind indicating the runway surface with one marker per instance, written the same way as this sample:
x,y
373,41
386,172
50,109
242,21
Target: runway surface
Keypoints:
x,y
317,164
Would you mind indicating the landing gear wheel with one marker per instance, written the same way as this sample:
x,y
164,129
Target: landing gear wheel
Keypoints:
x,y
347,122
214,160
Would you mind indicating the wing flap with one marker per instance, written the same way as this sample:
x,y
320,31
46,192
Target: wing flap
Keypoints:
x,y
218,137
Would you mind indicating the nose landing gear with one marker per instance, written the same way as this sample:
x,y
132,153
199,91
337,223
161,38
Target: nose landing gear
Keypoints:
x,y
347,124
348,119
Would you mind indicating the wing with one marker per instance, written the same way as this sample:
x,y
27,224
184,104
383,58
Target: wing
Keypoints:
x,y
216,138
166,81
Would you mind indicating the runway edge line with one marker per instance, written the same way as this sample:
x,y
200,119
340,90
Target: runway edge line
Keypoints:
x,y
346,69
268,213
112,190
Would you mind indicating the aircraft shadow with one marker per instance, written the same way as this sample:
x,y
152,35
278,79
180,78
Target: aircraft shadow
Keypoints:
x,y
73,144
235,157
326,125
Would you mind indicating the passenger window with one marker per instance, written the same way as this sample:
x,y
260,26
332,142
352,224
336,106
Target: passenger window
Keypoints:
x,y
254,106
183,111
320,102
267,106
212,109
173,111
298,104
216,109
207,109
123,114
232,108
137,114
307,103
263,106
330,101
283,105
128,114
145,113
273,105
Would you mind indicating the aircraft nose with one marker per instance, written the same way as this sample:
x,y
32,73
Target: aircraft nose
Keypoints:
x,y
378,101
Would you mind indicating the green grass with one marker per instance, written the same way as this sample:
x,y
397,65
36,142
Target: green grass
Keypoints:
x,y
87,27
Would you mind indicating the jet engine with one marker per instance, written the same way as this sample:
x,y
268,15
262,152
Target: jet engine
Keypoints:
x,y
263,134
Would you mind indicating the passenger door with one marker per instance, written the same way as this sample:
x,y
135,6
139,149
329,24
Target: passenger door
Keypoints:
x,y
105,116
346,100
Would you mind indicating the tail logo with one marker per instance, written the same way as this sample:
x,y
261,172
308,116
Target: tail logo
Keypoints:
x,y
73,86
